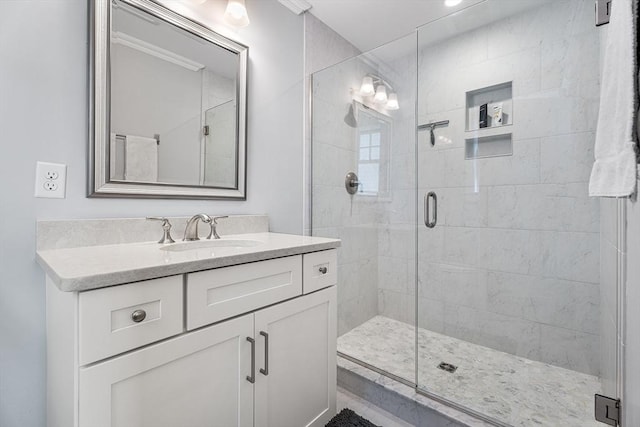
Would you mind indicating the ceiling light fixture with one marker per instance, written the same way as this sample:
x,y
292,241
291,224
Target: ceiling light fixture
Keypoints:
x,y
451,3
236,13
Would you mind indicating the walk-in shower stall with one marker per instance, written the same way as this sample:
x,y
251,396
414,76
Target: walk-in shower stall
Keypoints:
x,y
471,252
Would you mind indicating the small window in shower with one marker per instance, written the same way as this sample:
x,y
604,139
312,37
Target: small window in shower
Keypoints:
x,y
373,140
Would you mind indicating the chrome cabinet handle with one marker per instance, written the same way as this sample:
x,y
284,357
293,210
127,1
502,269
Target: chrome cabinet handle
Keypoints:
x,y
323,270
252,378
265,371
427,222
138,316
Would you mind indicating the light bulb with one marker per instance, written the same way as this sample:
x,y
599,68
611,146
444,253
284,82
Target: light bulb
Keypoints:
x,y
236,13
392,102
451,3
381,94
367,87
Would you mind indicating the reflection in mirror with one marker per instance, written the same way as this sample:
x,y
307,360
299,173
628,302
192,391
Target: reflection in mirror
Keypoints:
x,y
162,104
174,101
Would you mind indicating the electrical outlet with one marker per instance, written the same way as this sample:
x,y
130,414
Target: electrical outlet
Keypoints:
x,y
50,180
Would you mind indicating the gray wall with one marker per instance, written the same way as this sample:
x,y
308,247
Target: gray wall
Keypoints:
x,y
43,116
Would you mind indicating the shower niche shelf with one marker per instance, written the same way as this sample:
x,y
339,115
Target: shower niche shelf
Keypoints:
x,y
493,97
495,145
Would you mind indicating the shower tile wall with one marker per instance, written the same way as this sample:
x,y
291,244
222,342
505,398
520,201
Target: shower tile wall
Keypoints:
x,y
514,264
335,212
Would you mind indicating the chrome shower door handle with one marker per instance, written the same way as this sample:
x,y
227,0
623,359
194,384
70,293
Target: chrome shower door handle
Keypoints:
x,y
428,222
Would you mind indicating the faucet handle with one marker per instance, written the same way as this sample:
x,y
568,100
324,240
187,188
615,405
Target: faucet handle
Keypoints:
x,y
214,222
216,218
166,227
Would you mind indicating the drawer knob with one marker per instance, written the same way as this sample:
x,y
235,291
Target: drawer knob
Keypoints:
x,y
323,270
138,316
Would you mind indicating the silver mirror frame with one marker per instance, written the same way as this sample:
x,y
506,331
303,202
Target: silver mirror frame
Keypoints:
x,y
99,108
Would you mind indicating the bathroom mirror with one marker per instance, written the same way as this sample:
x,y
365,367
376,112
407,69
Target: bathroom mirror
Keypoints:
x,y
168,99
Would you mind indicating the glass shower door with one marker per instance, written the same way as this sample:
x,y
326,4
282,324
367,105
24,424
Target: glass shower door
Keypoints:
x,y
363,192
509,290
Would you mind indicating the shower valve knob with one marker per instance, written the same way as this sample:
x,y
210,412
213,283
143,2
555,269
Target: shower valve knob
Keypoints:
x,y
351,183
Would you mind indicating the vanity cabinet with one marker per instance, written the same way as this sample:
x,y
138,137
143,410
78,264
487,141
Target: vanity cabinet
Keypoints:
x,y
272,365
197,379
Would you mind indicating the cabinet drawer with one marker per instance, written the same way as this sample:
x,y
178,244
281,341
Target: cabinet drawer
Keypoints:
x,y
320,269
106,316
218,294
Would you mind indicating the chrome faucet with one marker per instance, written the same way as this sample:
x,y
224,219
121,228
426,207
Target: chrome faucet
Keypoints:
x,y
213,225
191,231
166,227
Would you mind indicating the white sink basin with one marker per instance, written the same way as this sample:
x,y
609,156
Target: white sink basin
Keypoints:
x,y
204,244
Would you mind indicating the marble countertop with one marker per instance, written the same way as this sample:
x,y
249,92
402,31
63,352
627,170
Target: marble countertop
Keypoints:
x,y
92,267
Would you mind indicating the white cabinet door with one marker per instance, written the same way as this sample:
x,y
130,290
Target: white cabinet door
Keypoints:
x,y
297,387
195,380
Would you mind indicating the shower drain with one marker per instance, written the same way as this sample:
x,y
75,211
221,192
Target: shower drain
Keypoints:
x,y
447,367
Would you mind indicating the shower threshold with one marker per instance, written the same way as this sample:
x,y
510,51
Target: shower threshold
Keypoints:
x,y
378,362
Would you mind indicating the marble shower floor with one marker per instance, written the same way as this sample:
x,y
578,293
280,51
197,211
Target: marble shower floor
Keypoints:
x,y
512,389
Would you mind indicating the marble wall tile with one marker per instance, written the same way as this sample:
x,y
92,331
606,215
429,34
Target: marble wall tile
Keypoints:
x,y
504,333
402,206
453,284
329,126
396,240
573,350
571,256
330,205
566,304
565,66
463,207
553,21
523,167
402,174
522,68
431,314
336,162
462,244
356,311
515,251
397,305
359,242
555,152
357,278
559,207
551,113
393,274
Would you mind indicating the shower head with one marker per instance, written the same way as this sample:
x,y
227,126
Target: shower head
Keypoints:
x,y
350,118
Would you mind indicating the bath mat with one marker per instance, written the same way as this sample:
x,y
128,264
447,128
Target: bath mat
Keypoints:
x,y
348,418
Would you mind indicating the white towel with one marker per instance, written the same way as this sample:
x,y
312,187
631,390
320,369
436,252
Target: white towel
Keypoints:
x,y
614,171
141,159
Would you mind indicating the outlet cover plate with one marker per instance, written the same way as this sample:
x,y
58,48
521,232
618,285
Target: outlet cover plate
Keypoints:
x,y
51,180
